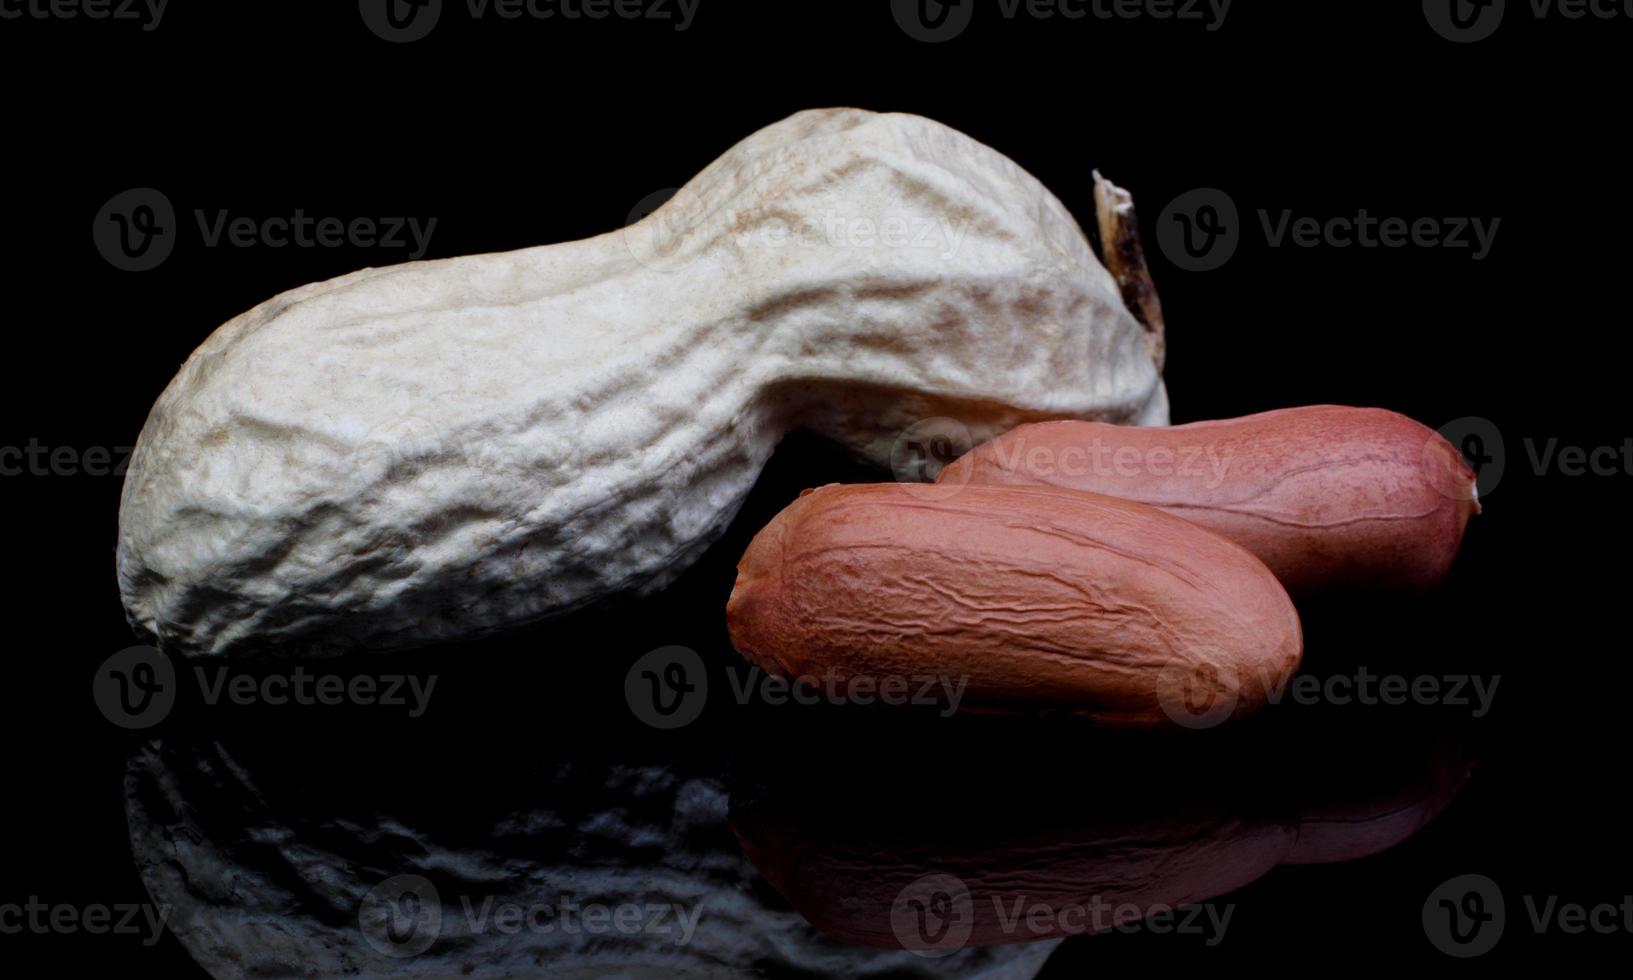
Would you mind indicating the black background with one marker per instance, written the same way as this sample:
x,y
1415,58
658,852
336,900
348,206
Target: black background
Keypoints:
x,y
516,134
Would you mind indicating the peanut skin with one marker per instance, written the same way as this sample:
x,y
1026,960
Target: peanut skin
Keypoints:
x,y
1028,597
1329,497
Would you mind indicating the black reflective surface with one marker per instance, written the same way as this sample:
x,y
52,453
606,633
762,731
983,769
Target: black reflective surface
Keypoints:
x,y
1328,829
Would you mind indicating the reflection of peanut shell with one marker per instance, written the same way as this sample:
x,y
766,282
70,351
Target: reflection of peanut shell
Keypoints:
x,y
1036,597
1327,496
279,870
